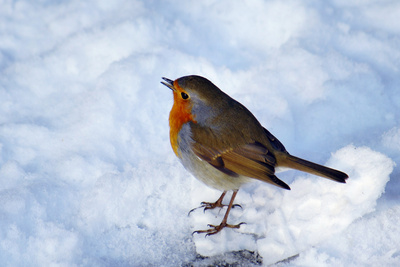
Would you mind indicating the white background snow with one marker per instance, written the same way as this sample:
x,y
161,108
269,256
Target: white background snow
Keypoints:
x,y
87,175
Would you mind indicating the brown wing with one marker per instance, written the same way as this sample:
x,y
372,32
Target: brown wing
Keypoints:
x,y
252,160
275,143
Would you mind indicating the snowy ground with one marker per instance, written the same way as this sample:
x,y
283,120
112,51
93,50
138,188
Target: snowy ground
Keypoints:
x,y
87,175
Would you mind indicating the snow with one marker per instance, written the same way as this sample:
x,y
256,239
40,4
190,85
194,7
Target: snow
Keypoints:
x,y
289,222
87,175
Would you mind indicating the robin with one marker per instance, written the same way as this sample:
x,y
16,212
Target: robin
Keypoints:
x,y
223,145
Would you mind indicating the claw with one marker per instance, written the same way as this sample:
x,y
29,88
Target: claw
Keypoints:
x,y
193,210
237,205
217,228
211,205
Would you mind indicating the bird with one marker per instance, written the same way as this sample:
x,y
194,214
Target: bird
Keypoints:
x,y
221,143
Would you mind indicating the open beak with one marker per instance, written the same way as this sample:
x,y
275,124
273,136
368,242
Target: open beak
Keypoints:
x,y
168,83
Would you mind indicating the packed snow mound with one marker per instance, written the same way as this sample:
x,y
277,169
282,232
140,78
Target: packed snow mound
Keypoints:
x,y
281,224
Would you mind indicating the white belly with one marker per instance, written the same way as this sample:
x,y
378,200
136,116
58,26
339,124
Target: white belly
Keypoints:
x,y
210,175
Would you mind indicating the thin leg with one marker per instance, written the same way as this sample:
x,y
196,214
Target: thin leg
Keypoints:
x,y
216,204
217,228
213,205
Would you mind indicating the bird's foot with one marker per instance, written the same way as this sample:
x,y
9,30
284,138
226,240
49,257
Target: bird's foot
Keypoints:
x,y
212,205
217,228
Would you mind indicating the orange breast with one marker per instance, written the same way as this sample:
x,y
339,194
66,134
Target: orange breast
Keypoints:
x,y
179,115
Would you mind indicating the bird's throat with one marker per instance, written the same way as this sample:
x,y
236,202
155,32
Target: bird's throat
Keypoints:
x,y
179,115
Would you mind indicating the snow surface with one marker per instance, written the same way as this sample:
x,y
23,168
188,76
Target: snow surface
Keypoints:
x,y
87,175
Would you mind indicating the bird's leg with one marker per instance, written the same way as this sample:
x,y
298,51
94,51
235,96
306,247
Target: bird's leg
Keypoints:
x,y
213,205
216,204
217,228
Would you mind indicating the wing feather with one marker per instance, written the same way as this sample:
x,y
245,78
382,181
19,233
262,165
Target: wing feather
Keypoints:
x,y
252,160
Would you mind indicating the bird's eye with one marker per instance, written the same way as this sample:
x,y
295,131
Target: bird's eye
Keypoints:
x,y
184,95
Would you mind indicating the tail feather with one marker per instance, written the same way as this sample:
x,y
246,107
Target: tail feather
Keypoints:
x,y
287,160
